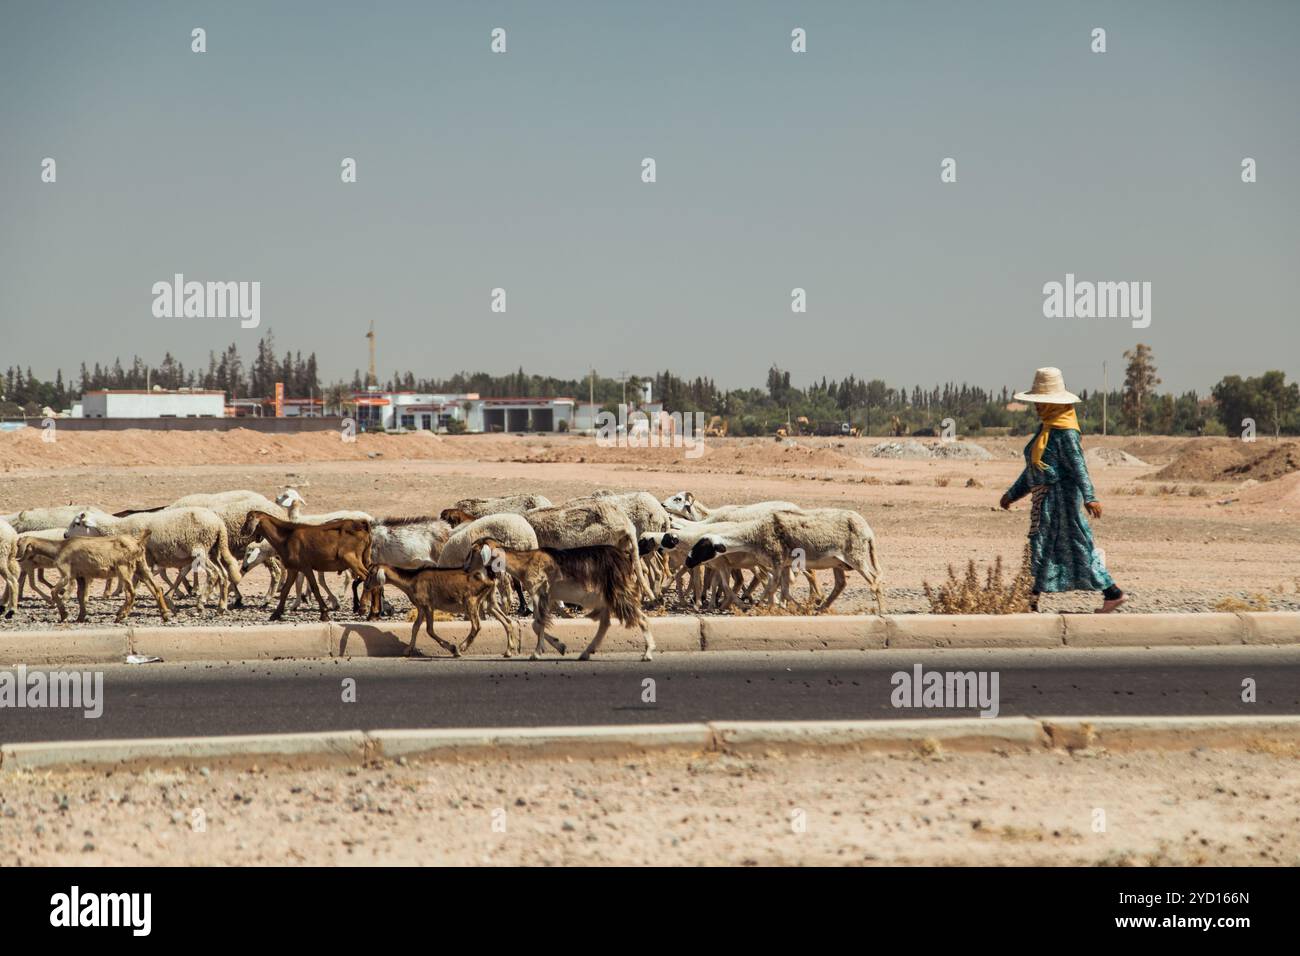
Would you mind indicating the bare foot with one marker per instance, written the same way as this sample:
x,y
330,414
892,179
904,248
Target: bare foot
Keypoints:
x,y
1108,606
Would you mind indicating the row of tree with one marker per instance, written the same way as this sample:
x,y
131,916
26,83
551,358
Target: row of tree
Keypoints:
x,y
873,405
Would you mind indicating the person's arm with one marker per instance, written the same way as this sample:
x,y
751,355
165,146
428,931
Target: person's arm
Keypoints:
x,y
1018,490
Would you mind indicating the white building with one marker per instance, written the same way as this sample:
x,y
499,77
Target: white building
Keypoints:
x,y
423,411
521,415
158,403
410,411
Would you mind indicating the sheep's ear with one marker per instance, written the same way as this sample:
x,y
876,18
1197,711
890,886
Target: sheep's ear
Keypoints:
x,y
690,498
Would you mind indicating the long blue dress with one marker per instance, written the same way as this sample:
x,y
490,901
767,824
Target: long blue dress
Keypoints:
x,y
1062,556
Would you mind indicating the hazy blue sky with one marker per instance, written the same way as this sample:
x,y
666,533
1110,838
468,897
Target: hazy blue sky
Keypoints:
x,y
775,170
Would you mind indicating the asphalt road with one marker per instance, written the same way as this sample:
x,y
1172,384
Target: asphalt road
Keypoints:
x,y
164,700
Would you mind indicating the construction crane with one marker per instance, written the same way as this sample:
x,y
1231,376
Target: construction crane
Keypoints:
x,y
371,378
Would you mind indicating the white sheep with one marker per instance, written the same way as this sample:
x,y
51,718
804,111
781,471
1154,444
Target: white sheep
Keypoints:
x,y
685,504
43,519
718,573
233,508
189,538
833,538
9,569
836,538
505,504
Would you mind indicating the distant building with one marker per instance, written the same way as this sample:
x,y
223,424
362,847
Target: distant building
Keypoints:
x,y
423,411
521,414
409,411
155,403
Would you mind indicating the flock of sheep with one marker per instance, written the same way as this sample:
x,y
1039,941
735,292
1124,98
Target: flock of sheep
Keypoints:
x,y
610,554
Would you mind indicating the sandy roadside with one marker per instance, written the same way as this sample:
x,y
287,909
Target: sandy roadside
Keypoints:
x,y
828,808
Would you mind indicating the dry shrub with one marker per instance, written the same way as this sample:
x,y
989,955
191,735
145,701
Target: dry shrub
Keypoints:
x,y
968,595
941,482
973,483
902,481
1253,602
1169,489
1197,491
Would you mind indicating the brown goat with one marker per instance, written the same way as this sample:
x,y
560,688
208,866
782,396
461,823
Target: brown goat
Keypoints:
x,y
601,578
342,545
120,558
444,589
456,516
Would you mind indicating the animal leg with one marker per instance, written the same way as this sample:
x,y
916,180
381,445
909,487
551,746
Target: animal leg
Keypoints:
x,y
840,581
289,578
428,626
324,610
600,636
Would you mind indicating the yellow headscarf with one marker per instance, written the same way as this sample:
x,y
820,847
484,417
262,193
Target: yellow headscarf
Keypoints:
x,y
1052,416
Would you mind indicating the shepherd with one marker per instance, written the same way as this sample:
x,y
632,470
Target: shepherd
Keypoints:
x,y
1061,554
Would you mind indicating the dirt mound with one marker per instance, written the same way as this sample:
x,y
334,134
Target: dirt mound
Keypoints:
x,y
1107,455
1283,494
1276,461
1203,463
1234,461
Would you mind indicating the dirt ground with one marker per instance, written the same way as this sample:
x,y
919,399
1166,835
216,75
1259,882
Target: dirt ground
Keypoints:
x,y
818,808
1172,544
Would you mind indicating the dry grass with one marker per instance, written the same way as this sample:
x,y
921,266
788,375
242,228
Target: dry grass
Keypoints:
x,y
1253,602
941,482
968,595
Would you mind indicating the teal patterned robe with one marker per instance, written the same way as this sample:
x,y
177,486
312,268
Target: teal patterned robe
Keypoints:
x,y
1061,553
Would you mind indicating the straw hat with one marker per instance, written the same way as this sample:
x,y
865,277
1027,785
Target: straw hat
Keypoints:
x,y
1048,388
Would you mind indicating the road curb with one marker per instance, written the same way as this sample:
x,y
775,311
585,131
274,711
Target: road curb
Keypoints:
x,y
349,746
1280,735
64,646
589,741
673,633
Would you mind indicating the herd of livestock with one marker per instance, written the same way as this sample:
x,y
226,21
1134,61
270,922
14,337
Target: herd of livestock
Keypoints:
x,y
611,554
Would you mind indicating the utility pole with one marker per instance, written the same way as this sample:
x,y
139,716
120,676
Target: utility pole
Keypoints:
x,y
623,375
373,379
1105,394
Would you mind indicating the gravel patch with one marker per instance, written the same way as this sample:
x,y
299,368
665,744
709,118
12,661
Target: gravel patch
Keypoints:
x,y
817,808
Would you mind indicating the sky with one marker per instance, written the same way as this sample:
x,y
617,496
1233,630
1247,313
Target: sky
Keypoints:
x,y
775,170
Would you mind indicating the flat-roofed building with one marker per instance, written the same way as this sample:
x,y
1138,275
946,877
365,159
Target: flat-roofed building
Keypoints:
x,y
153,403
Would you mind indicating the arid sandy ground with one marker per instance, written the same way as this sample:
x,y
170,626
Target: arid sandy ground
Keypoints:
x,y
823,808
1171,544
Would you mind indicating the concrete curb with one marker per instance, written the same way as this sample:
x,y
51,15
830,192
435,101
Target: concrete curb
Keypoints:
x,y
349,746
672,633
928,737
